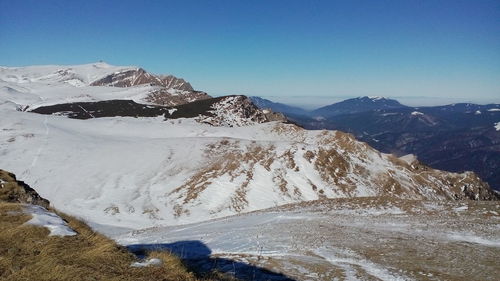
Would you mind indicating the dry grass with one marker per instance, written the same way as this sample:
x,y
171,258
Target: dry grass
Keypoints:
x,y
28,253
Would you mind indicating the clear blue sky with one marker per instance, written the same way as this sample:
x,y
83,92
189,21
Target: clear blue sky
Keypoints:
x,y
443,49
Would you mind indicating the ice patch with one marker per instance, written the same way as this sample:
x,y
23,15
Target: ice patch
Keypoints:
x,y
374,98
44,218
461,208
408,158
350,263
145,263
471,238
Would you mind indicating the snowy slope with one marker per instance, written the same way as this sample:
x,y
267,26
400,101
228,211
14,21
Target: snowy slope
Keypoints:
x,y
35,86
141,172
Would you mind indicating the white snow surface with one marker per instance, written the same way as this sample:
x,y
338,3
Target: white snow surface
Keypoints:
x,y
44,218
416,113
497,126
145,263
36,86
409,158
132,172
375,98
126,172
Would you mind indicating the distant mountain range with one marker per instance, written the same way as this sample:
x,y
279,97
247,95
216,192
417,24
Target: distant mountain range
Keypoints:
x,y
455,137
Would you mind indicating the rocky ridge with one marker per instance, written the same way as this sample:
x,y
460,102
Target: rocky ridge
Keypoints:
x,y
15,191
169,91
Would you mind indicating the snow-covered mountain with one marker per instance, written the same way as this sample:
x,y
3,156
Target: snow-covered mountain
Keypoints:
x,y
355,105
35,86
207,159
113,145
139,76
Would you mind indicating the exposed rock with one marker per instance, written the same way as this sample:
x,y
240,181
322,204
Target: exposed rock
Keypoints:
x,y
139,76
14,191
171,90
172,82
169,97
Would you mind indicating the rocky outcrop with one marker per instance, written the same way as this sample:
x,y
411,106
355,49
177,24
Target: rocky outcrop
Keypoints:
x,y
169,97
140,76
14,191
172,82
170,91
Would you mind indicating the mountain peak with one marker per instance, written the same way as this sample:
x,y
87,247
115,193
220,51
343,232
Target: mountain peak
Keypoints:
x,y
101,64
374,98
359,104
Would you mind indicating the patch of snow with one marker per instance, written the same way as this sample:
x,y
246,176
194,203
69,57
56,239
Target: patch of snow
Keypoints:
x,y
494,109
44,218
409,158
497,126
75,82
375,98
389,114
416,113
461,208
171,111
477,112
149,262
472,238
348,261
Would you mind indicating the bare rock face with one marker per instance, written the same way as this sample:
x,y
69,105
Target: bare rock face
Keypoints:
x,y
172,82
139,76
14,191
171,90
167,97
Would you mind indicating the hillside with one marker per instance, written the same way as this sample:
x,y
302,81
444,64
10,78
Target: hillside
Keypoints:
x,y
38,244
140,172
456,137
35,86
356,105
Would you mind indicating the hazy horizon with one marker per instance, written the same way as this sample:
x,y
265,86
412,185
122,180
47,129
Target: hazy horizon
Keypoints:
x,y
314,102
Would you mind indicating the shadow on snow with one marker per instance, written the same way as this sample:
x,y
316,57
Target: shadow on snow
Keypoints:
x,y
197,255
